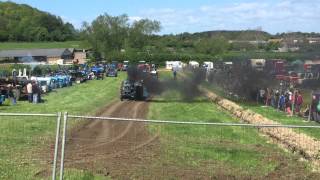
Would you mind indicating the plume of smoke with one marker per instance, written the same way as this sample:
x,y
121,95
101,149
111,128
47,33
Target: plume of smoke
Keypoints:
x,y
187,86
242,80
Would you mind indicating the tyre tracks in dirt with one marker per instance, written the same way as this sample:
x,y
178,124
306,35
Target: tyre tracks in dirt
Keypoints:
x,y
110,147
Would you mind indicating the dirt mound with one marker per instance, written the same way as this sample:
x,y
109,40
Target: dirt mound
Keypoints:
x,y
112,148
297,142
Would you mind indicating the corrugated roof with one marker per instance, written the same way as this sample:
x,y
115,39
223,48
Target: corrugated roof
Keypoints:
x,y
34,52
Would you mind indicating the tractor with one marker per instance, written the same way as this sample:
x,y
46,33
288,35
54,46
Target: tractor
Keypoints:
x,y
98,72
133,90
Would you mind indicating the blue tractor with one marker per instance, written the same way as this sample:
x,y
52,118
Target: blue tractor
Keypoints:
x,y
98,72
112,71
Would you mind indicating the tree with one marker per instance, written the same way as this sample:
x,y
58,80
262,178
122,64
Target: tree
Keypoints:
x,y
42,34
22,23
140,31
108,35
214,46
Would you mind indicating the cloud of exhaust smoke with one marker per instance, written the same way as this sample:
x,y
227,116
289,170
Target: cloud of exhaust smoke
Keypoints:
x,y
243,81
187,85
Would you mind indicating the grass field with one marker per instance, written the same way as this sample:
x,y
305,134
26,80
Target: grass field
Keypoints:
x,y
23,138
37,45
223,152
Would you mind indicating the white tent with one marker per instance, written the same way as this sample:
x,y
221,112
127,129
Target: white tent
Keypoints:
x,y
193,64
174,65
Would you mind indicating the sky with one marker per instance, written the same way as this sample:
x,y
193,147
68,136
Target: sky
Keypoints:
x,y
177,16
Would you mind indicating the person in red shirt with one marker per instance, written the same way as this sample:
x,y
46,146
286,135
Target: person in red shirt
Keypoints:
x,y
298,102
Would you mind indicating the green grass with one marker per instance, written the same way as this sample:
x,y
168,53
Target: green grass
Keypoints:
x,y
37,45
26,138
239,151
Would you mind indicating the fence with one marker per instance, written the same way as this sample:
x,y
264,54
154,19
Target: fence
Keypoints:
x,y
88,147
26,145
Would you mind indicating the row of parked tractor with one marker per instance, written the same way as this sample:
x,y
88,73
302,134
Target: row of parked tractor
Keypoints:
x,y
64,77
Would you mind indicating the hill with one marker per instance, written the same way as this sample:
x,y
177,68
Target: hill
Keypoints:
x,y
20,22
246,35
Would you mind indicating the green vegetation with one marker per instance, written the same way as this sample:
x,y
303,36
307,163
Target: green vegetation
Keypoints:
x,y
41,45
213,150
110,35
25,138
24,23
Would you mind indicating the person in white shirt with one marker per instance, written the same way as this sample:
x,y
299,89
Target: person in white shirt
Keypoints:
x,y
29,91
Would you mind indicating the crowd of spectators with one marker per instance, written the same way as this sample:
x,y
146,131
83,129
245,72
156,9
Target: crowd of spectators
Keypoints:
x,y
289,101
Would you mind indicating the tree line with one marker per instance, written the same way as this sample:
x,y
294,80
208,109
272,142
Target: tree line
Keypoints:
x,y
24,23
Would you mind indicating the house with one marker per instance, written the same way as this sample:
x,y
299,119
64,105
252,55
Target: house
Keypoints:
x,y
47,56
315,40
80,56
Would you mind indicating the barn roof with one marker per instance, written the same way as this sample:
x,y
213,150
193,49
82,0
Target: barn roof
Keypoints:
x,y
34,52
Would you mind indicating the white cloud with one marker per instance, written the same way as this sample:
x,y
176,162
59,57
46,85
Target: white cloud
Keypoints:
x,y
134,18
273,16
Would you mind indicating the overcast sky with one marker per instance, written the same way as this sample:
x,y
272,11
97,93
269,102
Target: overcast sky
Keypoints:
x,y
178,16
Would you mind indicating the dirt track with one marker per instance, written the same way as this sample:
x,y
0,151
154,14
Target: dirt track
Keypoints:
x,y
112,148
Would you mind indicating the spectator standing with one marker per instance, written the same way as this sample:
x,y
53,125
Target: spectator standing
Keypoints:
x,y
277,97
299,101
289,103
35,92
39,94
272,99
10,93
29,91
268,97
174,73
262,95
313,108
16,94
282,102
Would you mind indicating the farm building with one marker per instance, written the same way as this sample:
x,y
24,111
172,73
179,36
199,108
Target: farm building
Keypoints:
x,y
80,55
47,56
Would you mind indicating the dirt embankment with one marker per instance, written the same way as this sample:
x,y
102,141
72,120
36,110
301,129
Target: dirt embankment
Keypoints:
x,y
300,143
112,148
